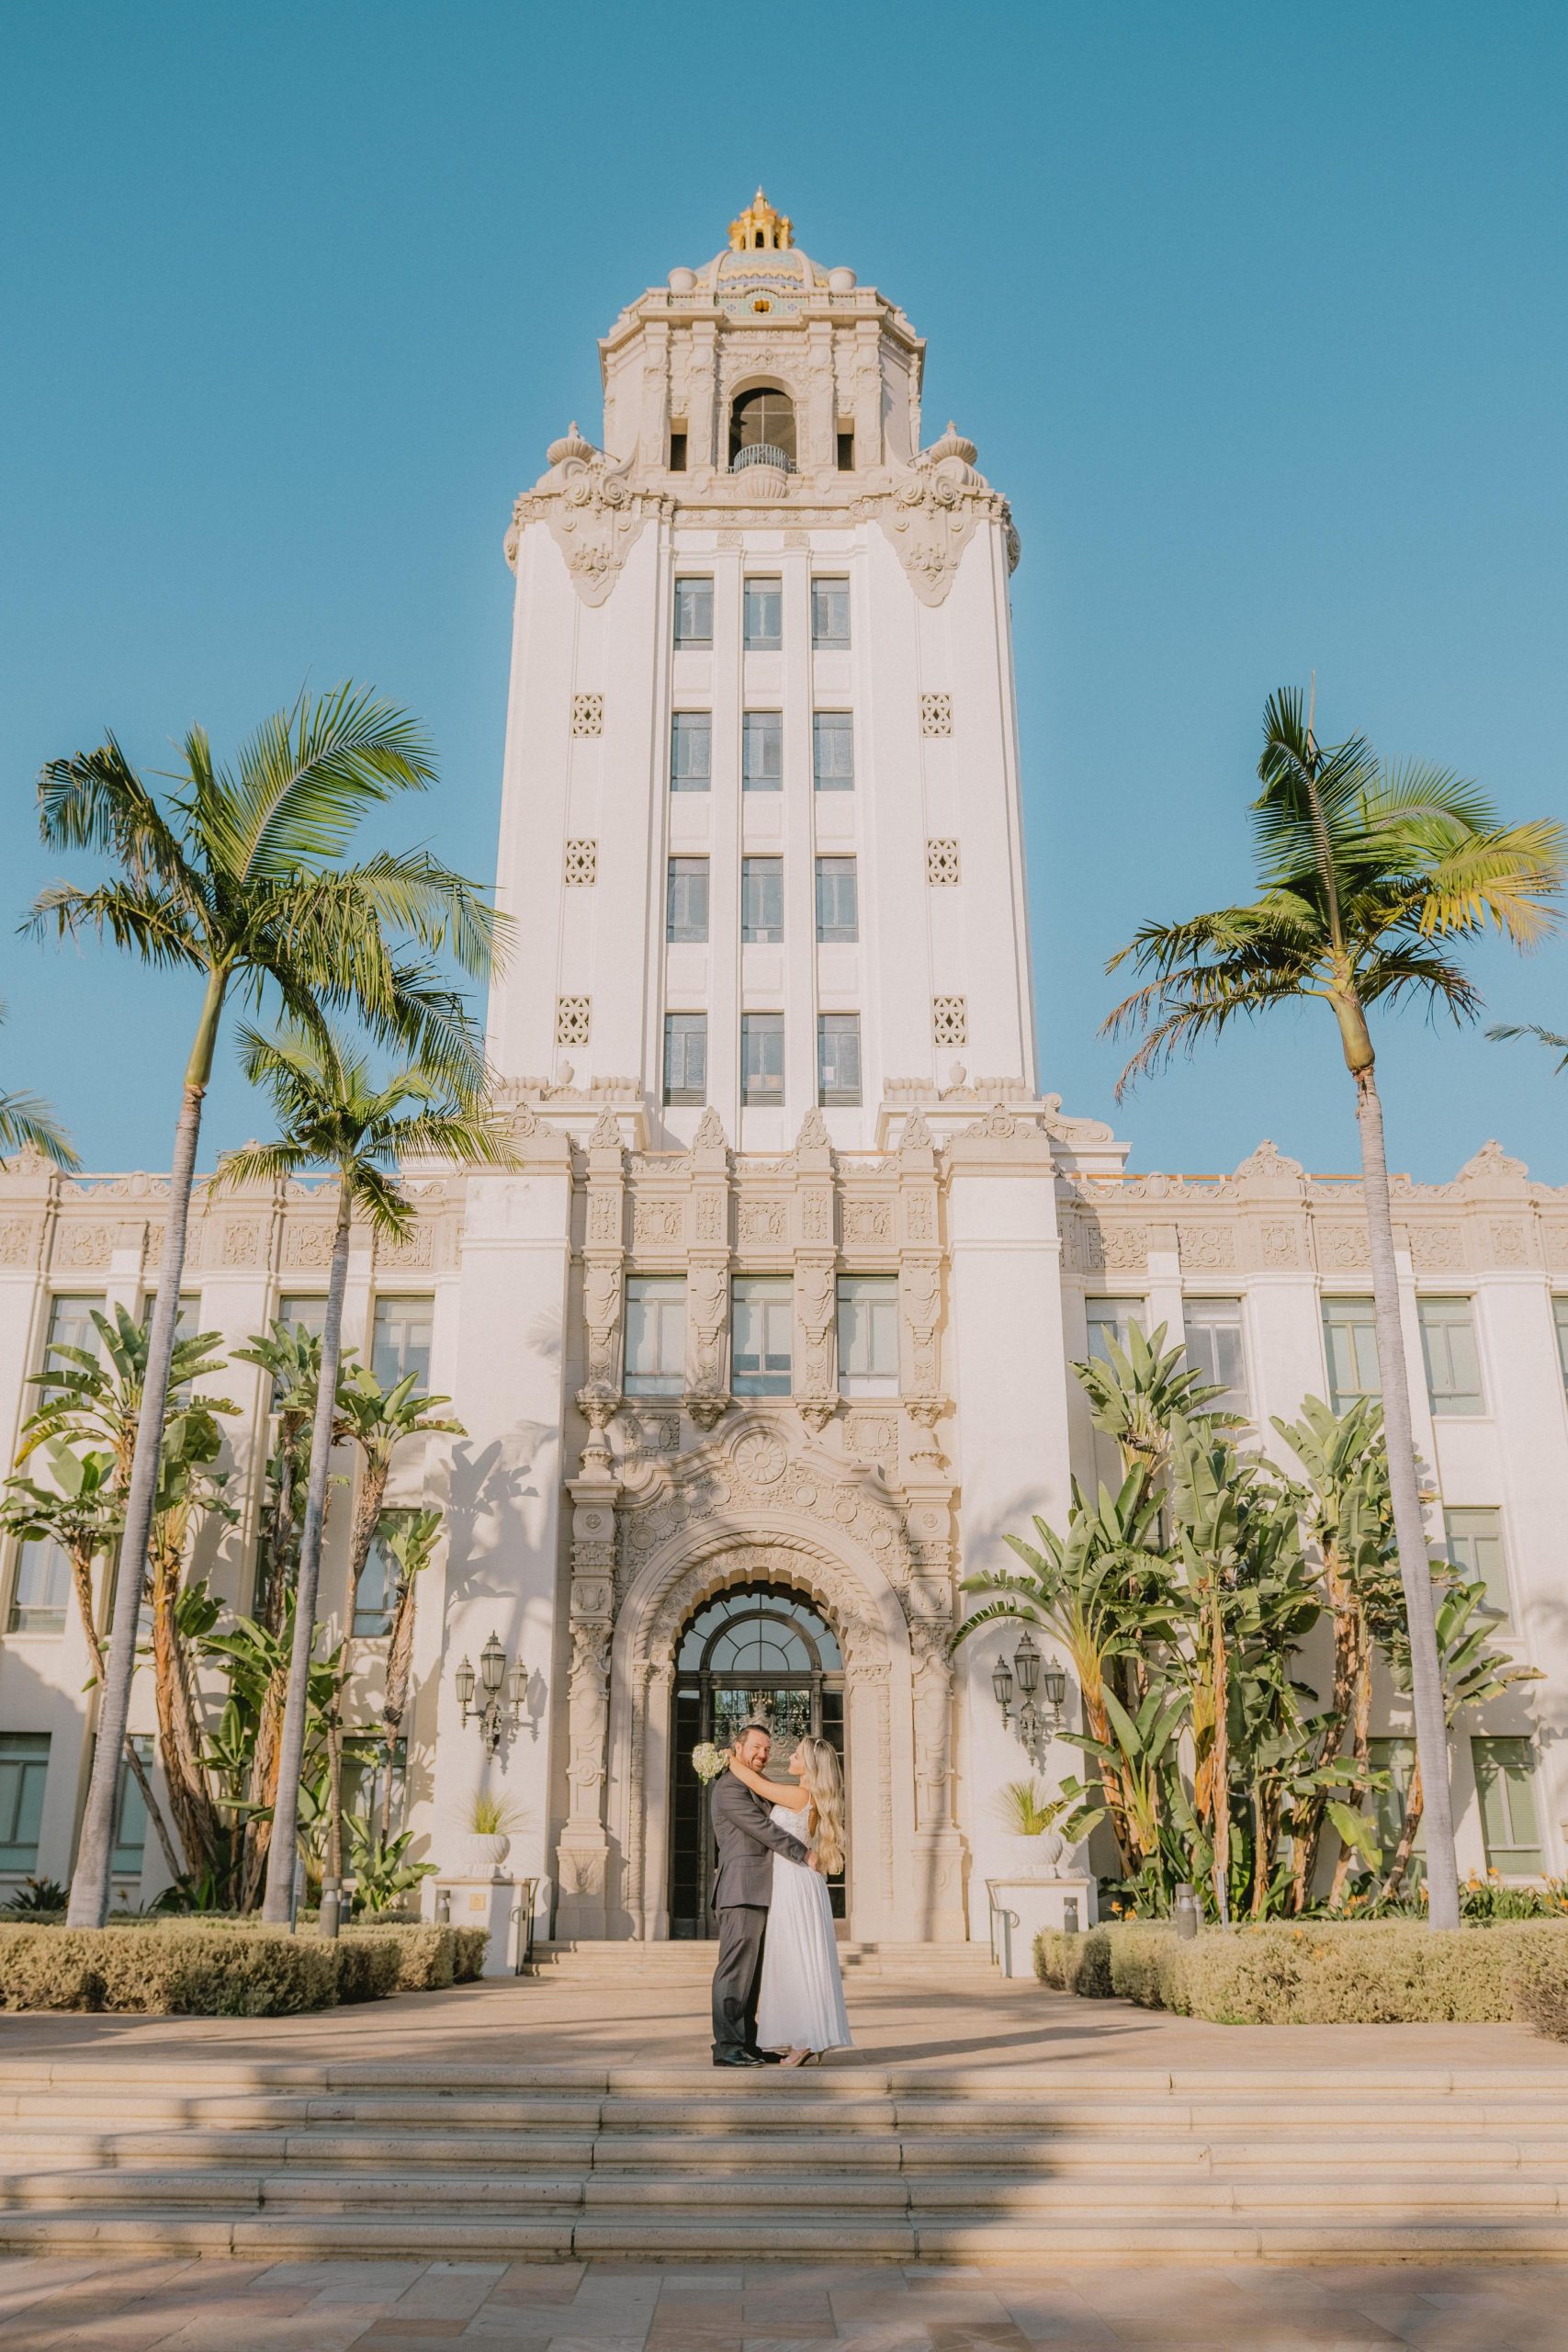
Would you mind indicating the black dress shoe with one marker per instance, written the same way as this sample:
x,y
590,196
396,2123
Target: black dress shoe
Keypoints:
x,y
737,2058
768,2057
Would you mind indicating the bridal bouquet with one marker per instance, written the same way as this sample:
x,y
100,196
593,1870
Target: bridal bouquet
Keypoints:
x,y
707,1761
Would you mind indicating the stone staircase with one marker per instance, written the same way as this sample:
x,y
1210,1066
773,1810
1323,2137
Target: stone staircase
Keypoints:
x,y
605,1963
855,2161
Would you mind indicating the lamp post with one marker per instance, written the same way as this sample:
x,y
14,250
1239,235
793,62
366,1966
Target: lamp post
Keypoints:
x,y
1031,1673
481,1695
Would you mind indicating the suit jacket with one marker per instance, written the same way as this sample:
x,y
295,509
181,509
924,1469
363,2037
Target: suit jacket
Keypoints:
x,y
747,1842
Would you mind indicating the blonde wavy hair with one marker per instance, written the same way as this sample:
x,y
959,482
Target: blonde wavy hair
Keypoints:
x,y
824,1785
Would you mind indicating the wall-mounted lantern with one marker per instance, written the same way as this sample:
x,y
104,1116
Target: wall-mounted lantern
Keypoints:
x,y
481,1695
1030,1673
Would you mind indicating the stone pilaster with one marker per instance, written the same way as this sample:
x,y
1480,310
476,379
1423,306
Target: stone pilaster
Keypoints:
x,y
707,1275
582,1856
815,1276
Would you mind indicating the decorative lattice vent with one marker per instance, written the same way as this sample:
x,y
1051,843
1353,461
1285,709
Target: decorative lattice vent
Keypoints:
x,y
588,713
950,1020
936,713
941,862
582,862
571,1020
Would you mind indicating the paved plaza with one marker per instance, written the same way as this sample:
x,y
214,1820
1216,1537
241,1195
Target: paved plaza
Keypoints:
x,y
643,2015
131,2305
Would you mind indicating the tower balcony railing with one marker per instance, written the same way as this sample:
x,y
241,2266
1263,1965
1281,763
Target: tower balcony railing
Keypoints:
x,y
762,453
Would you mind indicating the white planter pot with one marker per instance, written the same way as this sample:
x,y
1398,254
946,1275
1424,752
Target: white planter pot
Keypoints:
x,y
486,1854
1032,1857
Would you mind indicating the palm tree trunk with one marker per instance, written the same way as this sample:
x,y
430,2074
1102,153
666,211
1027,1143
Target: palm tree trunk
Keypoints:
x,y
1409,1526
90,1880
1221,1762
366,1518
1414,1807
400,1658
281,1852
82,1578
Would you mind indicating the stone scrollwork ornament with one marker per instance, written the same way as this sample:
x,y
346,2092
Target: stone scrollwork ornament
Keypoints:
x,y
932,512
593,514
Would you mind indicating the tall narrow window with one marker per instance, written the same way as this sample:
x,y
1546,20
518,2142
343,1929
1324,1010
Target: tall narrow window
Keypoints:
x,y
686,900
868,1335
762,751
1111,1319
1474,1540
685,1057
677,449
694,613
1350,1350
837,1059
655,1335
833,750
845,441
1504,1782
374,1594
831,615
304,1309
763,615
401,1343
1215,1350
130,1816
24,1770
761,900
837,901
691,751
41,1588
762,1057
1448,1344
71,1325
760,1337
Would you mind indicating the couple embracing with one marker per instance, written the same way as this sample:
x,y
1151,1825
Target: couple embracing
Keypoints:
x,y
778,1998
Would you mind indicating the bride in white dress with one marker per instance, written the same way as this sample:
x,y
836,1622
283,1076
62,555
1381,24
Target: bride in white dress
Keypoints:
x,y
800,2007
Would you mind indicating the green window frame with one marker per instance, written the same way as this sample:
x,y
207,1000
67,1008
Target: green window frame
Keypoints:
x,y
1511,1819
401,1339
1473,1539
24,1776
1450,1355
1350,1351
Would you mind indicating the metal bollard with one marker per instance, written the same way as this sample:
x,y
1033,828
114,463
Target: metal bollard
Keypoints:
x,y
1185,1912
1070,1915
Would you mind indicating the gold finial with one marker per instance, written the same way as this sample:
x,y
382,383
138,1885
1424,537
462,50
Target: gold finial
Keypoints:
x,y
760,230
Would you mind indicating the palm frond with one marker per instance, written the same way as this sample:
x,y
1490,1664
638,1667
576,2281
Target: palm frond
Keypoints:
x,y
1403,968
305,779
27,1123
260,1163
96,800
158,925
1503,877
1503,1031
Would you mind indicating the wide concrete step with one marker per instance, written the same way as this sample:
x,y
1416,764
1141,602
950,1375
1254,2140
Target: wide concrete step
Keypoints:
x,y
934,2235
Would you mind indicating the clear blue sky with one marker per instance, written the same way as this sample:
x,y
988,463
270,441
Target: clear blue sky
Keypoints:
x,y
1255,312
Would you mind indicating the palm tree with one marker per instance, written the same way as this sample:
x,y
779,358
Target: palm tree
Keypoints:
x,y
331,1114
235,876
378,1420
27,1124
410,1537
1364,871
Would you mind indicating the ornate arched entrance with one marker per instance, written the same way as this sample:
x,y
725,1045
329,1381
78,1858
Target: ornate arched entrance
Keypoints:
x,y
762,1652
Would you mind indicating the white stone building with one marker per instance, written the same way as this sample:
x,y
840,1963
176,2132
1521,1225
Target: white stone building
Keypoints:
x,y
767,1343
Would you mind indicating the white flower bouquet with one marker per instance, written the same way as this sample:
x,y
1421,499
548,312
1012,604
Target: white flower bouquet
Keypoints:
x,y
709,1761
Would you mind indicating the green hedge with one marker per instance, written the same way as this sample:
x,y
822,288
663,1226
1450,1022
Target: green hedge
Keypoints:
x,y
226,1968
1319,1973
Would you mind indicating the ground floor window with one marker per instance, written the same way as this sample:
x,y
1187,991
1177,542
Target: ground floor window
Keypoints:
x,y
1511,1824
24,1769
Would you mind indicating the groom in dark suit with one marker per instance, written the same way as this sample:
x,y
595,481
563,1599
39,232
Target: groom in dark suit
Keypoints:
x,y
743,1888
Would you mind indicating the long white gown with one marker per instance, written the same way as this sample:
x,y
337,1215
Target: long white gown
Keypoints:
x,y
801,2003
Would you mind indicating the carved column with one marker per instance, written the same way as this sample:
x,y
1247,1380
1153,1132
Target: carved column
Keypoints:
x,y
929,1487
700,418
582,1856
707,1275
815,1276
603,1262
868,393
